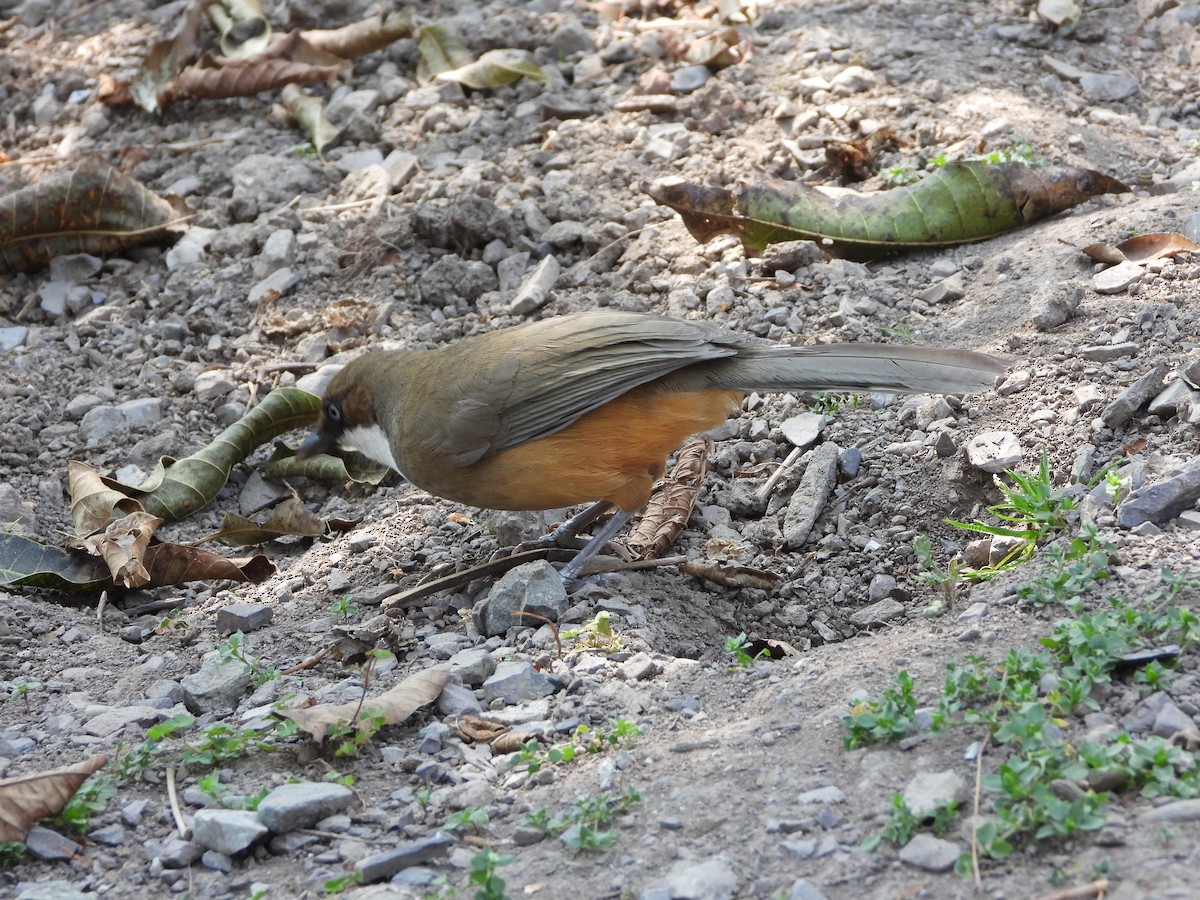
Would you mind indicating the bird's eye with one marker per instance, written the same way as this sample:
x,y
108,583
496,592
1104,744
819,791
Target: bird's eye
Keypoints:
x,y
333,413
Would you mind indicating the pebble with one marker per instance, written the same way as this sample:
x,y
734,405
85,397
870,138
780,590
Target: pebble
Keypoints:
x,y
803,429
179,854
687,879
1117,279
1107,88
300,805
945,291
877,613
243,617
994,451
536,289
1134,397
808,500
112,721
227,830
12,337
926,791
516,682
1175,811
99,423
533,587
216,687
1108,352
473,665
803,889
933,854
383,865
50,846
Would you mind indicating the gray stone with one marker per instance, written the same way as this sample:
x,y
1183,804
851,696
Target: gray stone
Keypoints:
x,y
534,587
1109,352
112,721
1134,397
933,854
228,831
827,794
274,286
1117,279
12,337
638,667
457,700
212,384
926,791
1171,720
218,685
179,854
1054,305
516,682
1087,396
803,889
218,862
452,278
877,613
1167,401
1107,88
852,80
535,290
292,806
881,587
144,412
50,846
386,864
994,451
52,890
1176,811
808,500
99,423
473,665
803,429
689,879
108,835
243,617
945,291
1163,500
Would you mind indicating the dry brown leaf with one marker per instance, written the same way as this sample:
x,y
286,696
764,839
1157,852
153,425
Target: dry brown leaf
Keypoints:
x,y
1156,245
176,564
672,502
395,705
360,38
475,730
123,547
213,81
93,502
1105,253
730,575
27,798
512,741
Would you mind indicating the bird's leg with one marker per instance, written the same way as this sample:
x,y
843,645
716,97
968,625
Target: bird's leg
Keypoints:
x,y
562,536
571,571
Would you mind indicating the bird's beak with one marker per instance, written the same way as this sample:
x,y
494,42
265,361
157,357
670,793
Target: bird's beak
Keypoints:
x,y
320,441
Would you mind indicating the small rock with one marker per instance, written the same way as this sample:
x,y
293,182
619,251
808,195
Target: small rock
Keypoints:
x,y
1087,396
1108,352
1176,811
535,290
1117,279
50,846
386,864
877,613
638,667
926,791
1134,397
458,700
99,423
881,587
273,286
112,721
179,854
994,451
243,617
473,665
12,337
852,80
689,879
803,429
945,291
808,500
933,854
1107,88
533,587
689,78
212,384
301,805
1054,305
216,687
1171,720
227,830
516,682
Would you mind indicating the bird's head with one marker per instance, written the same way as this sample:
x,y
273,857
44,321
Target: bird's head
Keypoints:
x,y
350,416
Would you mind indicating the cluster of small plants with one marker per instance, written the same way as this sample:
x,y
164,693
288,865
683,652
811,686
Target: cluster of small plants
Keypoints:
x,y
583,740
586,827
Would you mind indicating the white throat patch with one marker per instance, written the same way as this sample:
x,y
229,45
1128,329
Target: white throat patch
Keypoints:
x,y
370,442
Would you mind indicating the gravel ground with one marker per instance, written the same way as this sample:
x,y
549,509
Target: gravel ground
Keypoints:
x,y
426,222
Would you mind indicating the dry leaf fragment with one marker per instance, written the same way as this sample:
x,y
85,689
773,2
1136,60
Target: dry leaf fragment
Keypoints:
x,y
495,68
27,798
730,575
92,501
671,504
244,30
441,51
512,742
210,80
123,546
394,706
92,208
1142,248
360,38
475,730
309,113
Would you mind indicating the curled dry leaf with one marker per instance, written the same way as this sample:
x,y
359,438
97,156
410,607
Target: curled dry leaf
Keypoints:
x,y
475,730
166,59
27,798
495,68
1143,248
962,202
730,575
394,706
244,30
91,208
671,504
309,113
360,38
512,742
441,51
288,518
177,488
123,546
858,160
210,80
92,501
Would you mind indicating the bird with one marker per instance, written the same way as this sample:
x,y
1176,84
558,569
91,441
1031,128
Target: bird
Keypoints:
x,y
586,407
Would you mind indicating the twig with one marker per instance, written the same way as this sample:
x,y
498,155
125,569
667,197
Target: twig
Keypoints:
x,y
173,797
553,626
769,485
100,608
179,146
342,207
975,811
308,663
1096,888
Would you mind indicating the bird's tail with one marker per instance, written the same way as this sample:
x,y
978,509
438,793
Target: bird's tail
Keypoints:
x,y
853,367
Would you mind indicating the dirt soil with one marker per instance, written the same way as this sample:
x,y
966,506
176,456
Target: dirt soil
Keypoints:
x,y
478,187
